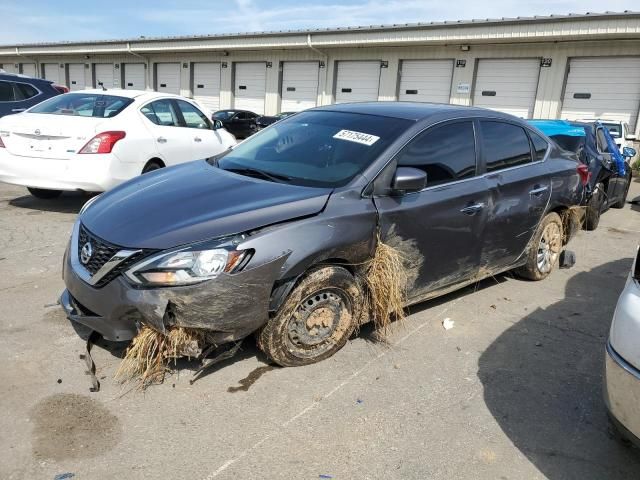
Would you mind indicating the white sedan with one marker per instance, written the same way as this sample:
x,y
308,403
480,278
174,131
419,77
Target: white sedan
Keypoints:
x,y
94,140
622,365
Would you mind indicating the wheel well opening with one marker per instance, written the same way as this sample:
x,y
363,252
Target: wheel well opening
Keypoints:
x,y
155,161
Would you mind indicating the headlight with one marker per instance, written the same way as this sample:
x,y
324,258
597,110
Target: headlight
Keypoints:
x,y
186,266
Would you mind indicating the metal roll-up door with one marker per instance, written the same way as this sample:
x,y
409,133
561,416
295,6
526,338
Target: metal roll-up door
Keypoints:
x,y
52,72
250,86
507,85
206,84
104,75
134,76
357,81
168,78
9,67
299,86
603,87
76,76
28,69
426,81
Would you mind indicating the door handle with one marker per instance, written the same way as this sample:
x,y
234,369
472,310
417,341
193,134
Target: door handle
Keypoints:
x,y
162,140
16,110
538,190
472,209
197,139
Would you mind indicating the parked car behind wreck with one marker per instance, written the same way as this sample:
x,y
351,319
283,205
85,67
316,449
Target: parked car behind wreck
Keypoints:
x,y
277,235
609,170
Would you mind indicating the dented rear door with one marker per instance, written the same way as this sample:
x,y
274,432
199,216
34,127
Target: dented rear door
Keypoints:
x,y
520,189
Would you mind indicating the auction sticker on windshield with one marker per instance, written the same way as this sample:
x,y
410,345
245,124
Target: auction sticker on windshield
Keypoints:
x,y
358,137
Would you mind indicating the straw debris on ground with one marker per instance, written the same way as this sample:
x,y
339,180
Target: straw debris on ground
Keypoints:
x,y
147,358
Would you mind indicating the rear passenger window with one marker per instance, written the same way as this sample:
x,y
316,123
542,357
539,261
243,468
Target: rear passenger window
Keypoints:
x,y
445,153
6,92
25,91
540,145
161,112
504,145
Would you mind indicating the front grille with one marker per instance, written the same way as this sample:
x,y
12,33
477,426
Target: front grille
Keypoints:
x,y
103,251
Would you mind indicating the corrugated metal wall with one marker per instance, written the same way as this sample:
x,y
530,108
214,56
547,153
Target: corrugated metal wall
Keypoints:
x,y
548,100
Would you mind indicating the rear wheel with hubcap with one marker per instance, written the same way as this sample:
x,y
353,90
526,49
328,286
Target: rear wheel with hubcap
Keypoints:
x,y
44,193
545,249
316,319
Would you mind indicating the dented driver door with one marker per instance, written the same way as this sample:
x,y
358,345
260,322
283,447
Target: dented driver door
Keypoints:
x,y
439,230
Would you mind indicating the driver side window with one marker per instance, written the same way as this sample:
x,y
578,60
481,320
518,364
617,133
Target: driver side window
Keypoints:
x,y
193,117
446,153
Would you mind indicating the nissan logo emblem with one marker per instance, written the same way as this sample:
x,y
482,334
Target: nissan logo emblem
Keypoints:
x,y
85,253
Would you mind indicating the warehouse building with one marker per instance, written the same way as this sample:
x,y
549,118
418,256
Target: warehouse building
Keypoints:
x,y
572,66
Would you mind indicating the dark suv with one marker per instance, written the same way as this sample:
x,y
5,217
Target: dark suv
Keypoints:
x,y
277,234
19,92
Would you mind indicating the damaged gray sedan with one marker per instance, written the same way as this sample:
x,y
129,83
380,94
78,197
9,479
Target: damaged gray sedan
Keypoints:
x,y
275,237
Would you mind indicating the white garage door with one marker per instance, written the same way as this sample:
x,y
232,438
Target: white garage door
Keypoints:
x,y
134,76
426,81
168,78
29,69
9,67
603,87
104,75
299,86
76,76
250,86
357,81
206,85
52,72
507,85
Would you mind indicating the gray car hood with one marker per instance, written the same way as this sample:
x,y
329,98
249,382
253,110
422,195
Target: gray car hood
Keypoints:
x,y
193,202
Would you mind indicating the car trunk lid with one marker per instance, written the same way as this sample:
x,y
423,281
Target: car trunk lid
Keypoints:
x,y
47,136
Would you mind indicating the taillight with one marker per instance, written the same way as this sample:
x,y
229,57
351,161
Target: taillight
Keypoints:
x,y
61,88
584,173
103,142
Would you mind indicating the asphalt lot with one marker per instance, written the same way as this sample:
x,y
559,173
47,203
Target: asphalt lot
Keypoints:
x,y
513,391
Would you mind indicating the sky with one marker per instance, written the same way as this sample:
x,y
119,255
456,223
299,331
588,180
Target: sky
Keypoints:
x,y
31,21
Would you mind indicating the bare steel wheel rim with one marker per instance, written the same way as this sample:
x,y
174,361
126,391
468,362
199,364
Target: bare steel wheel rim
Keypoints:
x,y
317,320
549,247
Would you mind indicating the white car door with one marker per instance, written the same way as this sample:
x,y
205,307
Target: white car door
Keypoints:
x,y
205,141
173,143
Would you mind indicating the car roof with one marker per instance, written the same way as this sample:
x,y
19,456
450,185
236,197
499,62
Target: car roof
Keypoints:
x,y
120,92
18,77
412,110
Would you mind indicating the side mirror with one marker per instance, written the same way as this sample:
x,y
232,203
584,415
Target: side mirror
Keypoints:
x,y
217,125
408,179
629,152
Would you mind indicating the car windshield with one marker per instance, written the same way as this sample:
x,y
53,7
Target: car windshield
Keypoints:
x,y
223,115
614,129
317,148
83,105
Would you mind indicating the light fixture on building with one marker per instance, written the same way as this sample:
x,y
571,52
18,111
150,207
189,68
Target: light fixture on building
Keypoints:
x,y
465,48
224,65
185,65
322,65
269,64
384,64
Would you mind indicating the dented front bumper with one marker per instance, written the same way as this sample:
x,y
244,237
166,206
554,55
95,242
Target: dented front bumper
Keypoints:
x,y
230,307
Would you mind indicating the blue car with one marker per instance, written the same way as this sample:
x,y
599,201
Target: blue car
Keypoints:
x,y
19,92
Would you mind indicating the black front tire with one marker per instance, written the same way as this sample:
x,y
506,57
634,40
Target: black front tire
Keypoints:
x,y
43,193
316,319
594,208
